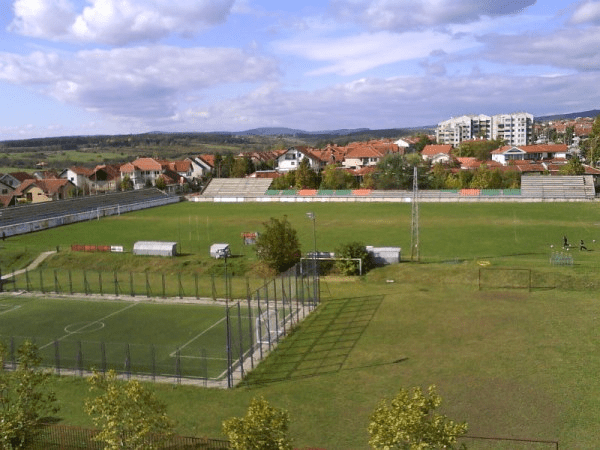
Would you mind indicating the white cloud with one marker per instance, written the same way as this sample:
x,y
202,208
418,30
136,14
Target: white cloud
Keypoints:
x,y
402,15
117,22
567,48
42,18
141,82
587,12
398,102
357,53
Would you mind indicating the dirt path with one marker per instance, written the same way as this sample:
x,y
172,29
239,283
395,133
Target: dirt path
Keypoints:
x,y
36,262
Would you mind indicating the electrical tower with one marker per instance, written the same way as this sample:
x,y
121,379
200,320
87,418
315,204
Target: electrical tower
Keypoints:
x,y
414,227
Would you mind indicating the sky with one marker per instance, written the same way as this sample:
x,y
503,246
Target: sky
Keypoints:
x,y
87,67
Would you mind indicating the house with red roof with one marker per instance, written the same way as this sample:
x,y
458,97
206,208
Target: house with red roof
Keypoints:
x,y
14,179
145,171
37,191
437,153
538,152
367,154
293,156
201,165
79,176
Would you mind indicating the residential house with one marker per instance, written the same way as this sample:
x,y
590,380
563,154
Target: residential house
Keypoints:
x,y
367,154
290,160
14,179
79,176
539,152
201,165
5,188
437,153
37,191
105,178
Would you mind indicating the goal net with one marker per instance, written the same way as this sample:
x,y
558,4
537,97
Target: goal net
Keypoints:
x,y
267,328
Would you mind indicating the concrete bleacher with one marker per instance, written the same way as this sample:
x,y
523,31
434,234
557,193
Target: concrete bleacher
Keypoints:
x,y
558,187
237,187
41,215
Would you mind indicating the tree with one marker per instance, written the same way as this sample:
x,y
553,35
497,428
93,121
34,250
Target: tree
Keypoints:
x,y
128,415
263,428
422,142
393,172
353,250
334,177
25,400
242,167
278,246
572,167
306,178
126,183
480,149
161,183
410,422
592,145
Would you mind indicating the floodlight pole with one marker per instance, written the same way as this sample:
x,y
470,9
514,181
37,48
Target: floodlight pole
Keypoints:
x,y
414,241
311,216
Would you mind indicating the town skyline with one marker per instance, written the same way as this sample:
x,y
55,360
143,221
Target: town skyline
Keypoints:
x,y
75,67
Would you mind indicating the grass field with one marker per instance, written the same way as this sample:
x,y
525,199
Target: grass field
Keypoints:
x,y
514,363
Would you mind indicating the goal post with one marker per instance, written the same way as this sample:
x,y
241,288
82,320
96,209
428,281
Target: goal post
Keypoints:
x,y
267,328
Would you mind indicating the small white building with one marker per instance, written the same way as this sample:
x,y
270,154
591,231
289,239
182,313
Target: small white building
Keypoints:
x,y
155,248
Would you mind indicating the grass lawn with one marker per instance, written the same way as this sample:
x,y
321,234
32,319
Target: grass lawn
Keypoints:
x,y
512,363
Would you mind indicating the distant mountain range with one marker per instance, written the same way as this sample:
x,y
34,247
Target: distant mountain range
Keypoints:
x,y
591,113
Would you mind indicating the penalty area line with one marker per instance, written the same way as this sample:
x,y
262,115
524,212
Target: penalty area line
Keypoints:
x,y
173,354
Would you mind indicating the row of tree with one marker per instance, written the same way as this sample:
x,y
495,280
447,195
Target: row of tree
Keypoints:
x,y
396,171
129,415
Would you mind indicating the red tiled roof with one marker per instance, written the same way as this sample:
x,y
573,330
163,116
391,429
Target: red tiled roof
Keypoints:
x,y
208,159
538,148
436,149
85,171
49,187
22,176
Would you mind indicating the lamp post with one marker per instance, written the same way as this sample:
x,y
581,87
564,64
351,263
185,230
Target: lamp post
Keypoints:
x,y
311,216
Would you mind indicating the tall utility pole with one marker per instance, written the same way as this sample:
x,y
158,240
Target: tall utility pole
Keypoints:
x,y
414,227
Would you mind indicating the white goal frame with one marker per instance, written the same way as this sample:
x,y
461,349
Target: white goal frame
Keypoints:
x,y
267,327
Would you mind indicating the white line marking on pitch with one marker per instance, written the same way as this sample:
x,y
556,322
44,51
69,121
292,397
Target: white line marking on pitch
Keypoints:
x,y
172,355
11,309
88,325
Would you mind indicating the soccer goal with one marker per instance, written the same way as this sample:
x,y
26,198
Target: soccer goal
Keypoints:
x,y
267,328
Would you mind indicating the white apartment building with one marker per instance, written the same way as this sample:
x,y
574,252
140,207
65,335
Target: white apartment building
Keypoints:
x,y
464,128
515,128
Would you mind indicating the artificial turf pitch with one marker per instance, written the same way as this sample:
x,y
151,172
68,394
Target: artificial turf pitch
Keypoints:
x,y
140,337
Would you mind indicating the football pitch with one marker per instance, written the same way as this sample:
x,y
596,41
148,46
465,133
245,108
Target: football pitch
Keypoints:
x,y
184,340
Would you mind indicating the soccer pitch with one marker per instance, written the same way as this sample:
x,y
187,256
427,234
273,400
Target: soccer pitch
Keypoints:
x,y
167,340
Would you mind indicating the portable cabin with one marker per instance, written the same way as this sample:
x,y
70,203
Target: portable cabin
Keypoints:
x,y
155,248
220,251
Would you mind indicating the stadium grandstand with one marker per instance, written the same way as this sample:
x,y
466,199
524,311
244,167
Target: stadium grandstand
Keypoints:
x,y
26,218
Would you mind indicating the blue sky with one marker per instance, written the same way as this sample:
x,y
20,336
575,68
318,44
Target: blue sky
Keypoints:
x,y
71,67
